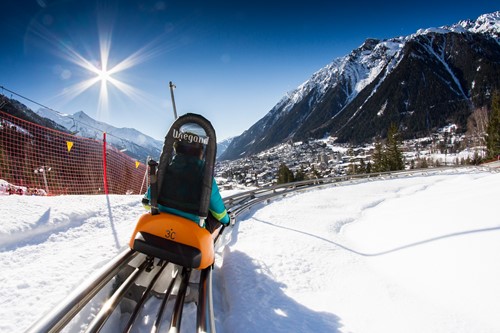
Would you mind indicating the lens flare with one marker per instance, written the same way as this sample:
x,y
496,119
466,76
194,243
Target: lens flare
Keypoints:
x,y
99,70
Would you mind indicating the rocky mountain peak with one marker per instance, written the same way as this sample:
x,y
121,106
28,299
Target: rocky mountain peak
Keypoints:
x,y
420,81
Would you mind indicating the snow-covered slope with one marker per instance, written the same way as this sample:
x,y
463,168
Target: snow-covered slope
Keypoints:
x,y
485,24
415,254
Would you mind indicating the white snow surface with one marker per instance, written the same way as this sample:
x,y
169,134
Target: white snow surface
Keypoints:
x,y
413,254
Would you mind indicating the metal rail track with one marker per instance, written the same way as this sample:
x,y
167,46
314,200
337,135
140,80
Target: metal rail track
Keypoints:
x,y
131,280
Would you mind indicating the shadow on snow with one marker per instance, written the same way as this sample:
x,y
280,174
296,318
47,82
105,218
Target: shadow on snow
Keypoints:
x,y
255,302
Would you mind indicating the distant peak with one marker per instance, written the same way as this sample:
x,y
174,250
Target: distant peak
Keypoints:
x,y
80,114
486,23
369,44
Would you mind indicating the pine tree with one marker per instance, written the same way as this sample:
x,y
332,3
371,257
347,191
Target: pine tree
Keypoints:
x,y
368,167
423,163
362,167
351,170
378,157
300,175
493,131
394,154
284,174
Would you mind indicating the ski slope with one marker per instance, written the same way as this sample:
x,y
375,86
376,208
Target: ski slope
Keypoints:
x,y
415,254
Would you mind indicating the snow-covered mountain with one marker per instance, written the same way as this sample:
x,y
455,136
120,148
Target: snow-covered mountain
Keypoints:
x,y
420,81
129,140
222,146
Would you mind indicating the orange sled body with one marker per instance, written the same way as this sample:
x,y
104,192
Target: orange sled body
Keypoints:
x,y
174,239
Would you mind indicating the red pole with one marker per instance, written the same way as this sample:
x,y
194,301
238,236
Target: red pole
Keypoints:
x,y
104,165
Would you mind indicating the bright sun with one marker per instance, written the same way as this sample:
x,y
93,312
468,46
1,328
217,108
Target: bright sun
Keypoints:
x,y
101,71
104,76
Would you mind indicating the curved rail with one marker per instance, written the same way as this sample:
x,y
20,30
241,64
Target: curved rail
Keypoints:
x,y
61,315
132,279
127,282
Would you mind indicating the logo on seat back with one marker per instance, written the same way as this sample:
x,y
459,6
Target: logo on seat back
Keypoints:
x,y
189,137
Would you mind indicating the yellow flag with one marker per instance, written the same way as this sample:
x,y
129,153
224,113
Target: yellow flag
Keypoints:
x,y
137,163
69,144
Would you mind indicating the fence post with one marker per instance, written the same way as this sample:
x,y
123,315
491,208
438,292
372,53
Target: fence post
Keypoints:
x,y
104,164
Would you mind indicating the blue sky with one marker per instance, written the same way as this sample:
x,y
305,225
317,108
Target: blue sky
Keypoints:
x,y
231,61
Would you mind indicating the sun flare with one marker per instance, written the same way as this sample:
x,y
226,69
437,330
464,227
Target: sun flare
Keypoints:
x,y
99,70
104,76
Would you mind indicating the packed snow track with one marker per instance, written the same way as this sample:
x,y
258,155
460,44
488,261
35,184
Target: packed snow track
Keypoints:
x,y
119,294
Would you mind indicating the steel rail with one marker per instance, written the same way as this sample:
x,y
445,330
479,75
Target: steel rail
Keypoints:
x,y
60,316
211,312
175,322
144,297
106,310
161,309
246,198
201,314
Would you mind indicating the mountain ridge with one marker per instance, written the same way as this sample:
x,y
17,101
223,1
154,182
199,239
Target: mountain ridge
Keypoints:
x,y
336,99
129,140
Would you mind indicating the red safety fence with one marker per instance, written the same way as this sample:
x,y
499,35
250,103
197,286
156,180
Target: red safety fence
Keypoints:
x,y
42,160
